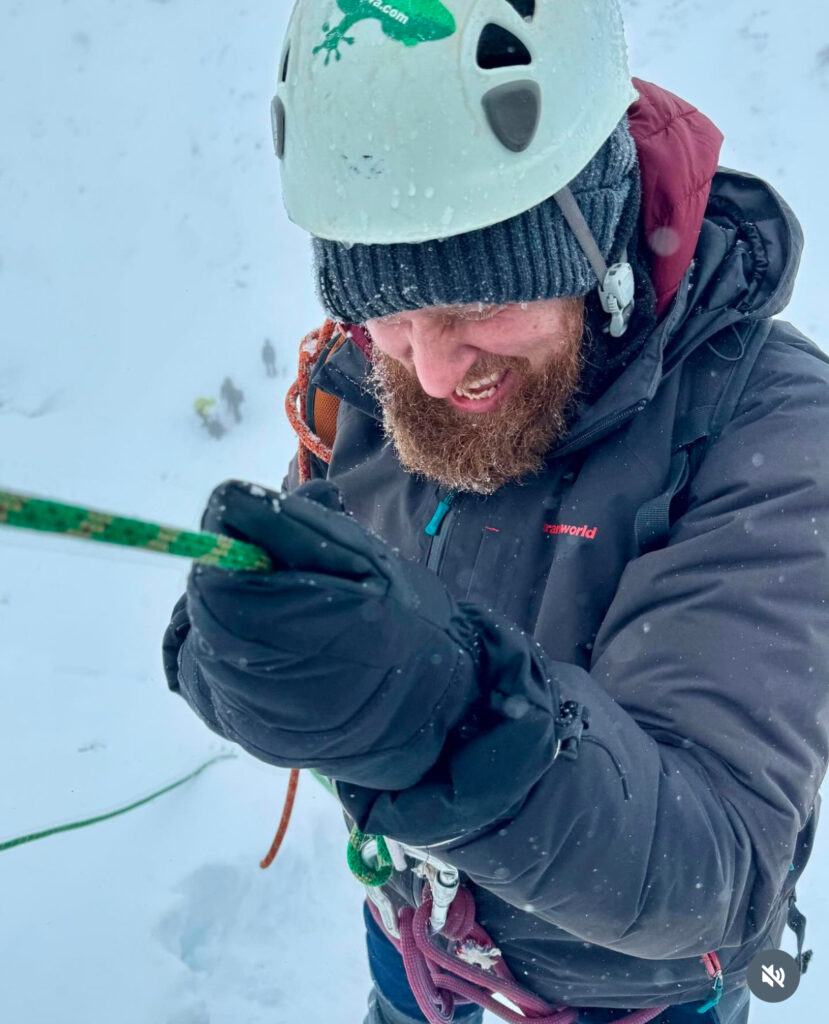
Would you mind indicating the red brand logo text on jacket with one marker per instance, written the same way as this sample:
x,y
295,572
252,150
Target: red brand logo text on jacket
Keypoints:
x,y
588,532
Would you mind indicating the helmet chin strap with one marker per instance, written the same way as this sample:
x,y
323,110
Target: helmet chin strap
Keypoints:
x,y
616,283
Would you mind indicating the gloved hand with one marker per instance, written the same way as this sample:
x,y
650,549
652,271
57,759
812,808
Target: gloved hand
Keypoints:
x,y
342,653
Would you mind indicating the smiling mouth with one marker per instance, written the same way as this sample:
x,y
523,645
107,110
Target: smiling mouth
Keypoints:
x,y
483,388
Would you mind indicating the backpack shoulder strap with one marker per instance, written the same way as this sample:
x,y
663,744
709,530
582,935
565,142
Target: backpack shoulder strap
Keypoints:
x,y
306,406
712,383
337,376
751,339
321,408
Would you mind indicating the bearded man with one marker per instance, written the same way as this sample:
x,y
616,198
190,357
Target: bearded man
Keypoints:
x,y
551,611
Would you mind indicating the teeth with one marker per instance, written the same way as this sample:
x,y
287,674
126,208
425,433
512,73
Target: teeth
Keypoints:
x,y
493,378
479,394
482,383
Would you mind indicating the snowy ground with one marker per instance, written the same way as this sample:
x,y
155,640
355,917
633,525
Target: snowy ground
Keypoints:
x,y
144,256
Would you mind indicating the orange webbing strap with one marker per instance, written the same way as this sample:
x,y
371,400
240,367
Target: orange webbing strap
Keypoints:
x,y
325,420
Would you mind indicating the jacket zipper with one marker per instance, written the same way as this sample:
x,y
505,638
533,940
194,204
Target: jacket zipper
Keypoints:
x,y
676,311
436,527
601,428
438,535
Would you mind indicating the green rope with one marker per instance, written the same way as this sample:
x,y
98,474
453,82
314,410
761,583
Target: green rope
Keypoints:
x,y
33,836
369,874
54,517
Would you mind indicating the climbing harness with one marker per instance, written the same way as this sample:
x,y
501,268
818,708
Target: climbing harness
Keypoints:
x,y
465,963
447,955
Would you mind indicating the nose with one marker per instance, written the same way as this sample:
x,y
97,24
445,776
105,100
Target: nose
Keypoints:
x,y
441,356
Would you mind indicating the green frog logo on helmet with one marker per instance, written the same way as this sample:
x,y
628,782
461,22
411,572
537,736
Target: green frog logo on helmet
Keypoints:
x,y
410,22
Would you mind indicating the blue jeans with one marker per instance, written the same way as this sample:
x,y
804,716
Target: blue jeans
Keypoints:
x,y
386,966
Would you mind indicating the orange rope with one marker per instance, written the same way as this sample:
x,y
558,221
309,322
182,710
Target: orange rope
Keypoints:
x,y
284,821
309,352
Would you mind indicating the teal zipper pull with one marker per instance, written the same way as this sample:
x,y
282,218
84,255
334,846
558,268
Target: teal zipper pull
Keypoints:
x,y
715,998
440,512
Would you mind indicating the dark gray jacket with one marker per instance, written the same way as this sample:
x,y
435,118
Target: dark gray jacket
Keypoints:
x,y
704,663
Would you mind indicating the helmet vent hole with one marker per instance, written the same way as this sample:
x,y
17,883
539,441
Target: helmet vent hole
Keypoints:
x,y
278,126
526,8
513,110
283,71
498,48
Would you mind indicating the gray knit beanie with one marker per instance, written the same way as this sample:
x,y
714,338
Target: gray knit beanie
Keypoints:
x,y
533,255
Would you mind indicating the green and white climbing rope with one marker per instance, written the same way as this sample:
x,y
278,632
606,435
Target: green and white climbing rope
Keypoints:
x,y
32,513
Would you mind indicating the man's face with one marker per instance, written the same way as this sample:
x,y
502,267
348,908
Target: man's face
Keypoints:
x,y
474,396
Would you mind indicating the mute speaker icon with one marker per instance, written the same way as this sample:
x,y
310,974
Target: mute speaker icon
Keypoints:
x,y
774,977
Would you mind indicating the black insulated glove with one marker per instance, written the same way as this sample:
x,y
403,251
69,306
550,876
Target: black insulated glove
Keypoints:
x,y
347,657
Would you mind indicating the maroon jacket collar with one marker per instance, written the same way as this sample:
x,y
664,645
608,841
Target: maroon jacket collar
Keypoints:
x,y
678,150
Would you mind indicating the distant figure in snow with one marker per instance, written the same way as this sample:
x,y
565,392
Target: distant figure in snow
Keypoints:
x,y
269,358
212,424
233,398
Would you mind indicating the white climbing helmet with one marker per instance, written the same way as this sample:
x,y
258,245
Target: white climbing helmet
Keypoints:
x,y
420,119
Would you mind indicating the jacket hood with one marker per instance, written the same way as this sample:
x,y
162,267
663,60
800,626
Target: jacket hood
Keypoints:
x,y
733,226
678,149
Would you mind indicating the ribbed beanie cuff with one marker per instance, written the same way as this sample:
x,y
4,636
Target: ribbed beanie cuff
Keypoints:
x,y
531,256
